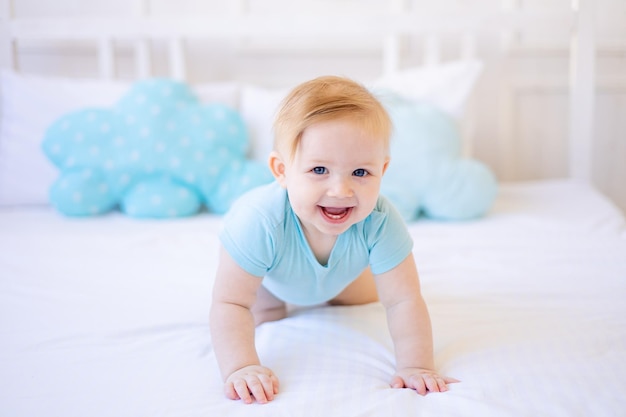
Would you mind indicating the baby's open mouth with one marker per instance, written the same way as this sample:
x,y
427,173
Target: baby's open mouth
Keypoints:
x,y
336,213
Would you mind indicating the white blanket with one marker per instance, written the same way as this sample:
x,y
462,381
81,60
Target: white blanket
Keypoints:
x,y
109,317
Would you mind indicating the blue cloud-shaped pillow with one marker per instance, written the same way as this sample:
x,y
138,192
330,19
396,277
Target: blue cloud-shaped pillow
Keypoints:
x,y
427,175
157,153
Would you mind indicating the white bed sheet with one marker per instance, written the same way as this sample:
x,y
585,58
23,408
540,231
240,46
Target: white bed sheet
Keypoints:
x,y
108,317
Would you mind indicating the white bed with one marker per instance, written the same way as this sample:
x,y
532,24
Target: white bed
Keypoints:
x,y
108,315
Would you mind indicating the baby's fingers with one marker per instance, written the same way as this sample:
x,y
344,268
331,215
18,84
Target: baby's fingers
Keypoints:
x,y
261,388
423,382
270,385
238,389
418,383
252,383
230,391
397,382
275,384
433,383
257,389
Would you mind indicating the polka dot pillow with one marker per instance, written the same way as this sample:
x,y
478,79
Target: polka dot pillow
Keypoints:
x,y
158,153
428,175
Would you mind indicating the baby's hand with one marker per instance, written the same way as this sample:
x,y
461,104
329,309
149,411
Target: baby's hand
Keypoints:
x,y
421,380
252,381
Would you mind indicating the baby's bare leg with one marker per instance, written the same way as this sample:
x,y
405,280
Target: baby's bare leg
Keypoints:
x,y
360,291
267,307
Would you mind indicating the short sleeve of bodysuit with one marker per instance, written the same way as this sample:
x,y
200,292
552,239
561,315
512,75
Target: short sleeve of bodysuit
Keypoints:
x,y
388,237
248,231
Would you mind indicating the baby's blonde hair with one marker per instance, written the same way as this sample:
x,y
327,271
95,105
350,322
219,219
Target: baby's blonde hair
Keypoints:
x,y
328,98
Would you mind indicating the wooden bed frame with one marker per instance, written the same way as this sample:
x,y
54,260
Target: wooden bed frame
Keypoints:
x,y
391,29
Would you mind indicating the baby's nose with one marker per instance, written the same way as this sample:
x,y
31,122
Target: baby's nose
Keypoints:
x,y
341,188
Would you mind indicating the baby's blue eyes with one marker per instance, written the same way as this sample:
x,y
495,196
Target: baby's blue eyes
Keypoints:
x,y
360,172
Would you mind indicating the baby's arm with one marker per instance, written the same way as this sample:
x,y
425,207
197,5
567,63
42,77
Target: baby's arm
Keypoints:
x,y
232,334
410,328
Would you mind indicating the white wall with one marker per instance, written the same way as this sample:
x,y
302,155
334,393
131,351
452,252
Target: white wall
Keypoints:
x,y
520,105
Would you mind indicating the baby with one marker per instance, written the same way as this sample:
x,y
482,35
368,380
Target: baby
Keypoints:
x,y
320,233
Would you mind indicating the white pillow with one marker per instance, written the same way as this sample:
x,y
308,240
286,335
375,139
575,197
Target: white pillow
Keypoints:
x,y
258,108
447,86
226,92
31,103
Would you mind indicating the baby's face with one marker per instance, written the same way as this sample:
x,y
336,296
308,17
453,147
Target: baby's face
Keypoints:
x,y
334,178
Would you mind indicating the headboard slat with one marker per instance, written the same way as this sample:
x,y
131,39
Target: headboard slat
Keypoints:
x,y
468,46
391,54
143,58
432,50
176,55
106,58
582,86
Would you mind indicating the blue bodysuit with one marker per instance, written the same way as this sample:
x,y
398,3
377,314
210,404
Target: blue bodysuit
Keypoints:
x,y
264,237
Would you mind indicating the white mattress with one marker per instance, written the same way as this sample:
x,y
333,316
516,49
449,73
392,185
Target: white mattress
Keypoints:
x,y
108,317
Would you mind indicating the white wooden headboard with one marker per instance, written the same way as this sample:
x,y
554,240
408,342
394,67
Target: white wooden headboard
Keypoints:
x,y
388,32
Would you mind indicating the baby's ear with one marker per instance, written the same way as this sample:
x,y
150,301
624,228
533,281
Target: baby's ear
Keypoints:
x,y
277,167
386,165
